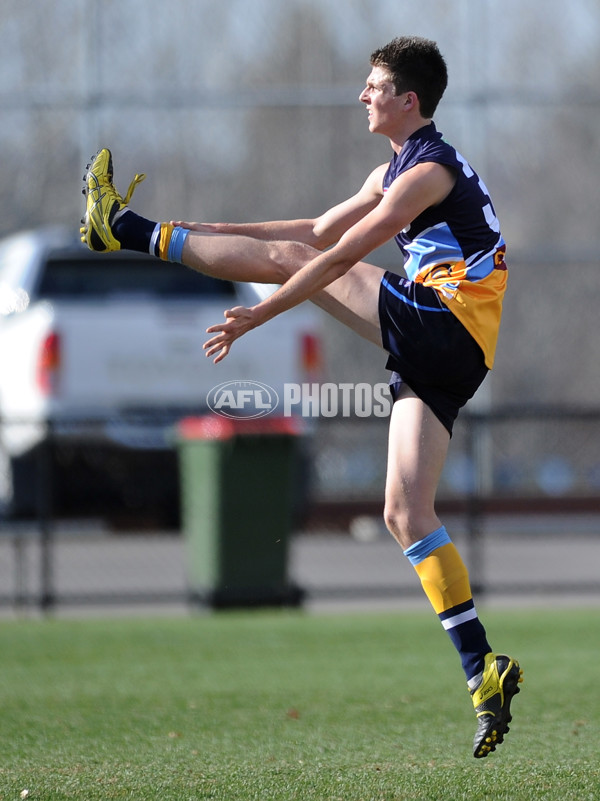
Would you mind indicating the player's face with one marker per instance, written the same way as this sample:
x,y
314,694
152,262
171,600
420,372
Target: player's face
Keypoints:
x,y
381,101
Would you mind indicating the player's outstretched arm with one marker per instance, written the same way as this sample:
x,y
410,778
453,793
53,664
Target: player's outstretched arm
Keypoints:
x,y
424,185
320,232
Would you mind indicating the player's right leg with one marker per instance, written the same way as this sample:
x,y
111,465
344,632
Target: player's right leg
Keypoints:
x,y
110,225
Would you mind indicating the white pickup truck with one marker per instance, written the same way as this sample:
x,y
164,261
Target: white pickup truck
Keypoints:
x,y
100,355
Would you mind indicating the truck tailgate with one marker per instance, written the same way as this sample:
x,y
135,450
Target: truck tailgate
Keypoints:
x,y
118,355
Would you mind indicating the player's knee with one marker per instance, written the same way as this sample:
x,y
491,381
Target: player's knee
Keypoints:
x,y
289,257
407,525
397,522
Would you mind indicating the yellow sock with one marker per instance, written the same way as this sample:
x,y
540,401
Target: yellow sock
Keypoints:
x,y
444,578
166,231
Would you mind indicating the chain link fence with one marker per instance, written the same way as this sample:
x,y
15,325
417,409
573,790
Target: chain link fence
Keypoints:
x,y
248,110
520,495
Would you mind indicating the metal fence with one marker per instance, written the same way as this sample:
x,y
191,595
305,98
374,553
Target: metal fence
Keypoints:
x,y
520,494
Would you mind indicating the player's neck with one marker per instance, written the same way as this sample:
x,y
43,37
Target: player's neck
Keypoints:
x,y
408,129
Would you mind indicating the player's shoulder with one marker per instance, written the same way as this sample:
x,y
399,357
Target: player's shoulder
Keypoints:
x,y
428,144
373,184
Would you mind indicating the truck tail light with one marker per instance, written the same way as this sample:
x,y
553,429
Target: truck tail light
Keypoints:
x,y
48,365
311,356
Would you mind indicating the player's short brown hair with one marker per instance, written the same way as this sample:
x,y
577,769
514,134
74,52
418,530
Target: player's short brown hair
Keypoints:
x,y
415,65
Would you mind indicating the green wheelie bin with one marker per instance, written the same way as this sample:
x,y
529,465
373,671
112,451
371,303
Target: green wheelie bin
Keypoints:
x,y
237,491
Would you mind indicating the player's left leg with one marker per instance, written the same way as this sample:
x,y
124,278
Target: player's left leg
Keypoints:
x,y
418,443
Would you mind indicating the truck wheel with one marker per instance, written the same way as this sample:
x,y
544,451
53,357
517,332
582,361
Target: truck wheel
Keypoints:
x,y
17,486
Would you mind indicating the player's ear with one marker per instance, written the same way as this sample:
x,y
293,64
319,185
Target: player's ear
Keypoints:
x,y
411,101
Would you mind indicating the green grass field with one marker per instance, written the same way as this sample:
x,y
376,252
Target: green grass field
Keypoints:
x,y
277,706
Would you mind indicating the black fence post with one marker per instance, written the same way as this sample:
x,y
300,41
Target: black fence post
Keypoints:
x,y
474,507
45,491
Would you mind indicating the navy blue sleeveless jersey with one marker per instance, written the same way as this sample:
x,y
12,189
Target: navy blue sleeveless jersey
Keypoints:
x,y
455,247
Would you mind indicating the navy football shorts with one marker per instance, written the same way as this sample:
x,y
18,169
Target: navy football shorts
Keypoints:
x,y
429,348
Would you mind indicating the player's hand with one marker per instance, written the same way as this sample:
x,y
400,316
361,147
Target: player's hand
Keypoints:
x,y
238,321
204,228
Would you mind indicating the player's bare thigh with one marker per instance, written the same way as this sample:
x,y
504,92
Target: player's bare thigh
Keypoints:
x,y
418,444
352,299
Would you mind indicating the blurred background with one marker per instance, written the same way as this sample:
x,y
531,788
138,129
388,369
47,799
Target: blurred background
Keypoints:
x,y
244,110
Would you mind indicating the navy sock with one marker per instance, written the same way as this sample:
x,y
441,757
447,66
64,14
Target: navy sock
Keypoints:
x,y
469,638
134,232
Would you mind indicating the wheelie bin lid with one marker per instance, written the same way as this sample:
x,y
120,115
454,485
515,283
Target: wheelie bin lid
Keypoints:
x,y
213,427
